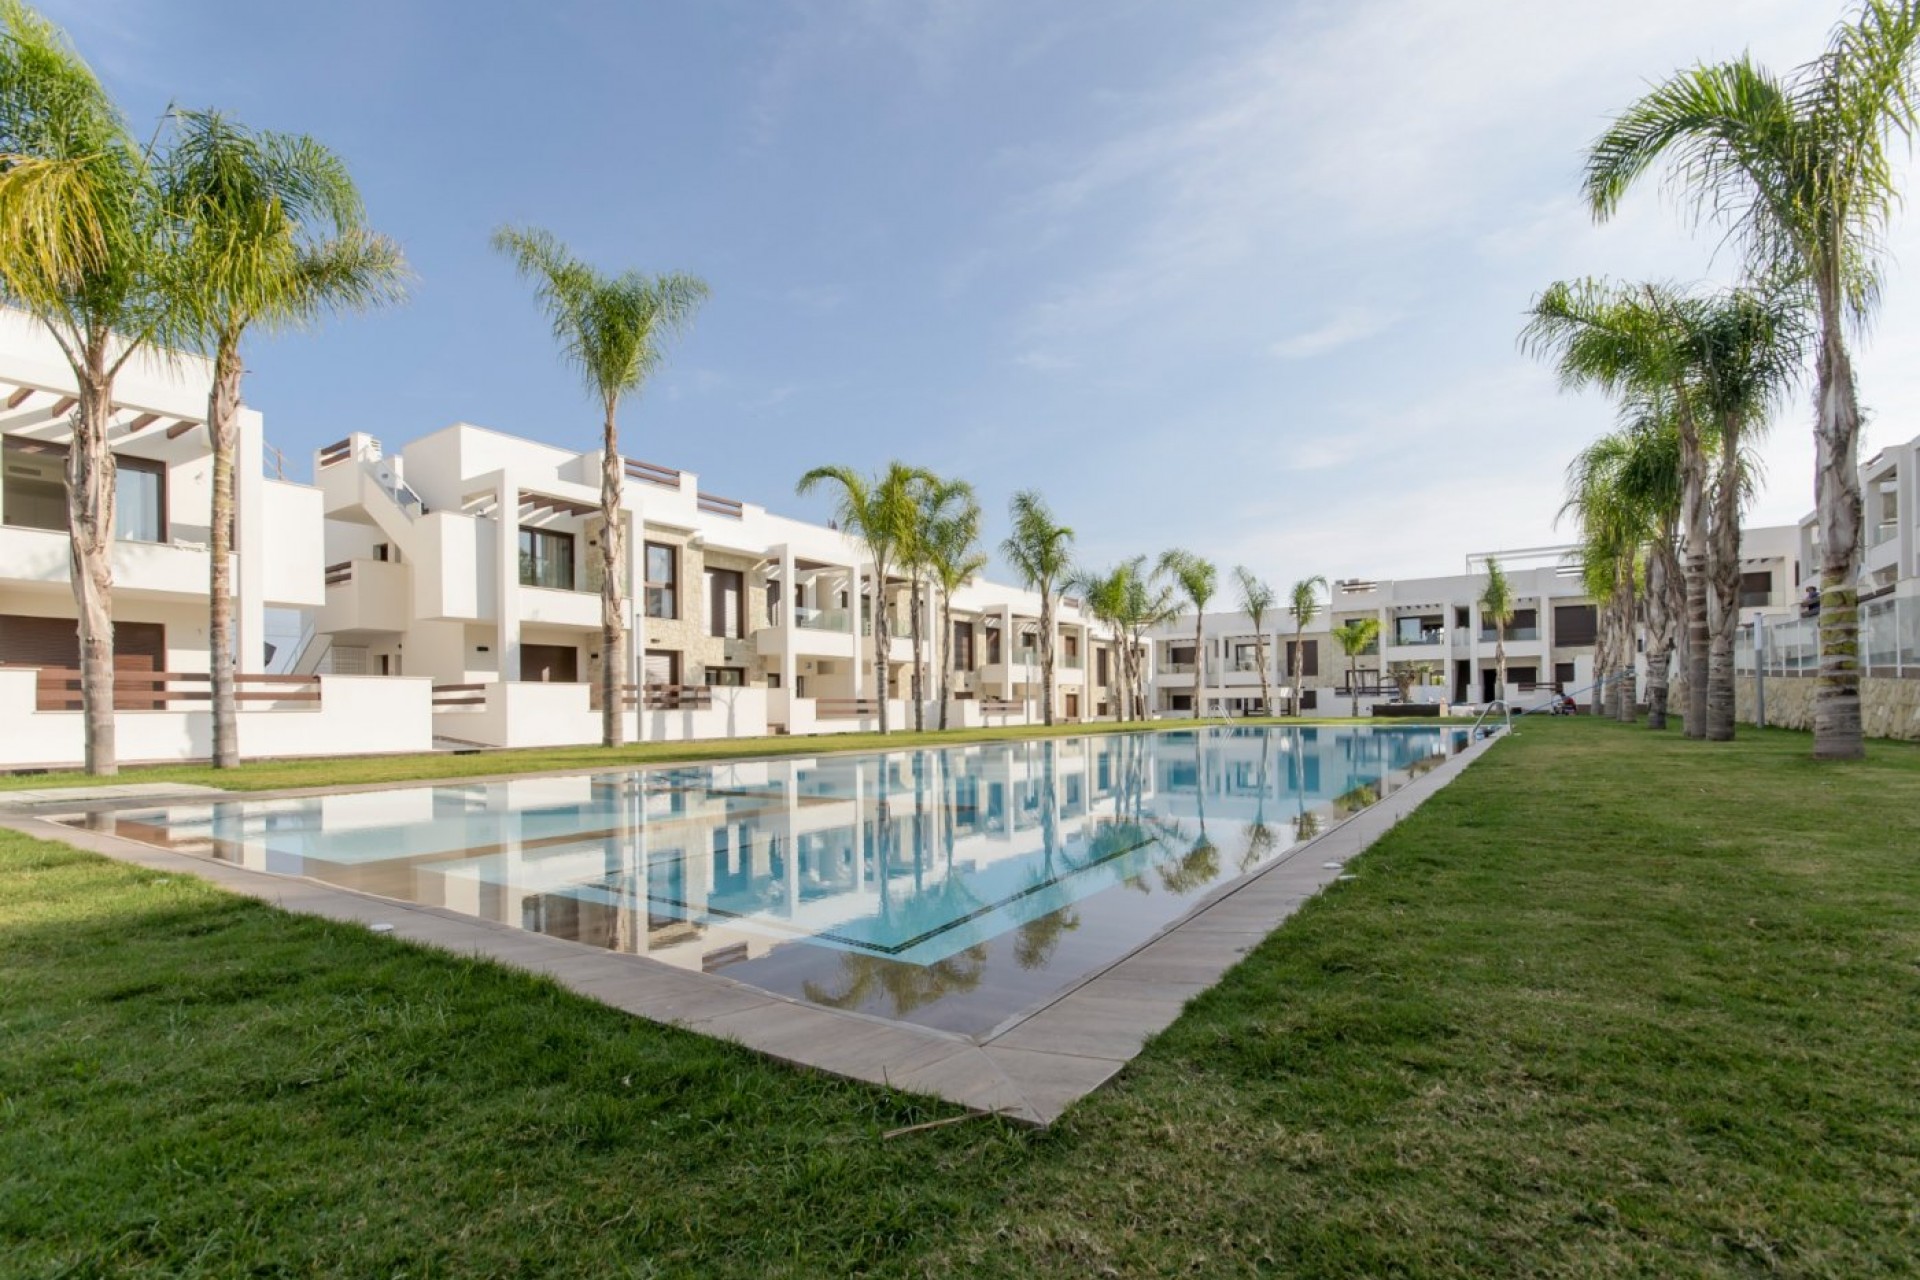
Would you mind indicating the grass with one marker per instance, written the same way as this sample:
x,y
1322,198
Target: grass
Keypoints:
x,y
345,771
1611,1004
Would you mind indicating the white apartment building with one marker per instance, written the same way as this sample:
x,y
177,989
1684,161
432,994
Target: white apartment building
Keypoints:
x,y
471,557
1433,636
160,573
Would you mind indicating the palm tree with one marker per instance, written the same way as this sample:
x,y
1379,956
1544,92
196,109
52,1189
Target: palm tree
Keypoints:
x,y
1640,343
1306,606
1625,491
1750,353
1256,601
1103,596
953,555
1496,605
81,252
1196,579
613,330
268,231
1803,168
881,512
1355,636
1041,552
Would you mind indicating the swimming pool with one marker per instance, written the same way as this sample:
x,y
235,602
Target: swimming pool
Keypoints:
x,y
951,887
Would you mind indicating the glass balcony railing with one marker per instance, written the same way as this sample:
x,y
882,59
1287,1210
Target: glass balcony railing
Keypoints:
x,y
1488,635
1883,532
1072,661
840,620
1421,638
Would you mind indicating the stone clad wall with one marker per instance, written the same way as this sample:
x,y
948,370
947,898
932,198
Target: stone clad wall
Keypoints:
x,y
1889,708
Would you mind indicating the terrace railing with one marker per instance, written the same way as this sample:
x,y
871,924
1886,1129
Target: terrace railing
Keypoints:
x,y
1889,643
845,708
58,689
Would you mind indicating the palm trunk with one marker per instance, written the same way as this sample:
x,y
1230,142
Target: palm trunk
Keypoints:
x,y
223,409
1837,731
1199,662
1500,662
946,654
881,647
90,507
1623,605
1726,586
1046,649
1299,658
1693,506
919,684
613,665
1660,625
1266,680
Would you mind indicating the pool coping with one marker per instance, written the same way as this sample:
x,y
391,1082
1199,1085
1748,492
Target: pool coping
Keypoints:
x,y
1029,1069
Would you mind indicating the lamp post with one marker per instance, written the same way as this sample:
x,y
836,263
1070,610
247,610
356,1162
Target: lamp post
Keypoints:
x,y
1759,671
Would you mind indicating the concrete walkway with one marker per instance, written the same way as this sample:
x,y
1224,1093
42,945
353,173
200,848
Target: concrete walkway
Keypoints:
x,y
1030,1069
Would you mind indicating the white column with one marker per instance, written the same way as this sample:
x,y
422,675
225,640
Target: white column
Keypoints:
x,y
250,542
506,593
860,643
790,613
635,609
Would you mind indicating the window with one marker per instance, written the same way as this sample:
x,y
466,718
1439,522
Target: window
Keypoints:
x,y
663,581
1756,589
993,643
662,666
1100,660
1574,625
1309,658
725,589
546,559
963,646
726,677
1071,644
140,500
34,492
1563,676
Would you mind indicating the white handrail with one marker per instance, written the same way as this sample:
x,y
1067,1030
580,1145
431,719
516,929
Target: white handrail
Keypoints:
x,y
1505,710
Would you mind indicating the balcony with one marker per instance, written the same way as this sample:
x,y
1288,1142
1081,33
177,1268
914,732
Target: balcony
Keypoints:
x,y
1515,635
366,595
1885,531
159,568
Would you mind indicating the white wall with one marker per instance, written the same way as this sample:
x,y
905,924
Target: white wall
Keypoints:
x,y
356,715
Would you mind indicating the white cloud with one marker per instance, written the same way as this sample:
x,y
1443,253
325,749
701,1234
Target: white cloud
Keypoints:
x,y
1346,326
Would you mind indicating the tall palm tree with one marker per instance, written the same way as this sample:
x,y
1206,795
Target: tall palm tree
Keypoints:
x,y
1256,601
613,331
1803,168
1751,348
269,235
81,251
1305,602
1196,579
1103,596
952,553
1041,552
1641,342
1355,636
881,511
1496,605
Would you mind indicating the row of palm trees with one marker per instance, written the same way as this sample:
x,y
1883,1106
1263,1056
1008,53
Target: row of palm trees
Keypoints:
x,y
928,528
197,240
1801,171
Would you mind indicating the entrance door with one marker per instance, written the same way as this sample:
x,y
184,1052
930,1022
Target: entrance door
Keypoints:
x,y
1073,706
663,666
549,663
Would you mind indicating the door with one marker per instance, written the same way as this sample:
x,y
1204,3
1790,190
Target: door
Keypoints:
x,y
549,663
1073,706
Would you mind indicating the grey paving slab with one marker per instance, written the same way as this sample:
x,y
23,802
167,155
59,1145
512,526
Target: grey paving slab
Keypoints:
x,y
1094,1022
1051,1082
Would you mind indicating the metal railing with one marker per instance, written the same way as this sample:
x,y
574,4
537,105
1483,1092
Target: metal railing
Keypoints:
x,y
58,689
1889,642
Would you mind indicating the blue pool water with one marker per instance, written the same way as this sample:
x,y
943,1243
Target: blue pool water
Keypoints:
x,y
951,886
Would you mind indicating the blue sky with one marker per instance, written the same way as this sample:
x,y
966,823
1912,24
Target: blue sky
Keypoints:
x,y
1243,277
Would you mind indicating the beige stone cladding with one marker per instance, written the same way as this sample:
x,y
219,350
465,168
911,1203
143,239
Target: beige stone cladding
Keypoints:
x,y
1889,708
687,633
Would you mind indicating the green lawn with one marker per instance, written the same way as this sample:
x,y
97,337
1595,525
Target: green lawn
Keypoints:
x,y
1613,1003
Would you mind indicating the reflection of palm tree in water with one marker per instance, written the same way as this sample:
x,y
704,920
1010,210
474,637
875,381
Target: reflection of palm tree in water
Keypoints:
x,y
1260,837
907,987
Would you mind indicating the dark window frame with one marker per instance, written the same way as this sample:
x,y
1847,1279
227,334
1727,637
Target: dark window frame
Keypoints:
x,y
563,568
657,590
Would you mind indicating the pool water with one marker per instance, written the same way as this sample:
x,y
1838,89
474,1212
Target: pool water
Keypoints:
x,y
954,887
